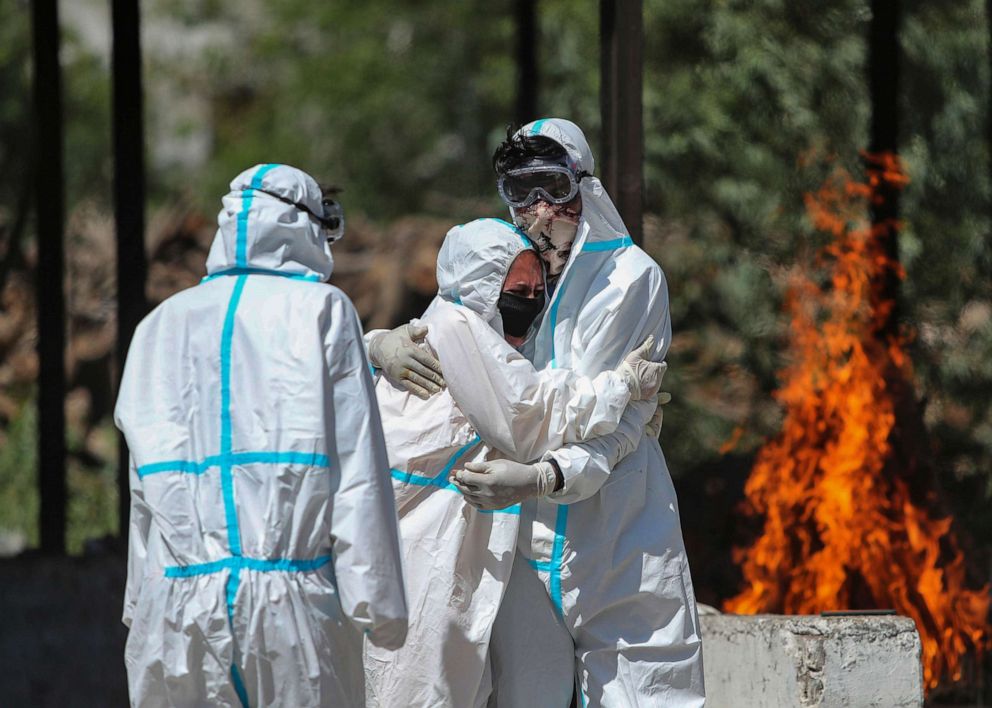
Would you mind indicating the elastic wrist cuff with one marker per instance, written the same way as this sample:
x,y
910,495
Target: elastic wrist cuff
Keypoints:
x,y
545,478
559,477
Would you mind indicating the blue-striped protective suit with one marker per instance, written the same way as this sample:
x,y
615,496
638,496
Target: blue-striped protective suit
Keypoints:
x,y
263,535
607,548
457,559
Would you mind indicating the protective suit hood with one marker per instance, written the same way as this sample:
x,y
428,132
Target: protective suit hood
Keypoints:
x,y
258,232
259,475
473,262
617,508
600,221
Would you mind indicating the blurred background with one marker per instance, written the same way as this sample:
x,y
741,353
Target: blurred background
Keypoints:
x,y
747,108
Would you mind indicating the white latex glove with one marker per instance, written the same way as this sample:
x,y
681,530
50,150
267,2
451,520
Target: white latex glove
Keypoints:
x,y
653,427
406,364
497,484
642,375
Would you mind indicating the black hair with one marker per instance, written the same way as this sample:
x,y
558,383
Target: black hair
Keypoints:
x,y
518,149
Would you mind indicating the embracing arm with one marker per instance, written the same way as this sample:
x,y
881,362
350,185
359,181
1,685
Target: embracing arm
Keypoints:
x,y
642,310
518,410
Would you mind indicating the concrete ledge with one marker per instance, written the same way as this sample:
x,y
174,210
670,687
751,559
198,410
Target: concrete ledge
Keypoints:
x,y
807,660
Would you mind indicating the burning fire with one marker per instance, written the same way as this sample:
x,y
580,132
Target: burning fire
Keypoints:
x,y
841,527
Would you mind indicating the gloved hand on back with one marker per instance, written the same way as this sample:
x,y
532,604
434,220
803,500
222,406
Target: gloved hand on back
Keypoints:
x,y
642,375
405,363
653,426
644,378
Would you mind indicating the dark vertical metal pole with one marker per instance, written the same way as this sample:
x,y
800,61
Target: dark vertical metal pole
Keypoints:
x,y
49,194
525,20
129,200
883,90
985,268
621,104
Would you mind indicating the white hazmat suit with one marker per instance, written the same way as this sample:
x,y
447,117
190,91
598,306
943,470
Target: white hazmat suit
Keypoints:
x,y
263,536
608,547
457,559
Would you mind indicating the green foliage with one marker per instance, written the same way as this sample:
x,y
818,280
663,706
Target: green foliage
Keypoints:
x,y
15,102
19,475
386,99
946,244
92,511
737,93
402,104
568,63
92,492
739,98
86,103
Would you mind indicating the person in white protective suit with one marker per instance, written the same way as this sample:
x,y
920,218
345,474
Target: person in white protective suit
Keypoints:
x,y
263,537
458,559
607,548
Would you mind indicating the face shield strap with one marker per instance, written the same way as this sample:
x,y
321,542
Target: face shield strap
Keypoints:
x,y
331,220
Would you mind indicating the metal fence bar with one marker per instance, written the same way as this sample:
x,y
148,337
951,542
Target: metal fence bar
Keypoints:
x,y
49,194
525,21
621,27
129,201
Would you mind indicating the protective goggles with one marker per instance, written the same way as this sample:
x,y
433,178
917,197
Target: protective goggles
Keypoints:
x,y
331,219
556,184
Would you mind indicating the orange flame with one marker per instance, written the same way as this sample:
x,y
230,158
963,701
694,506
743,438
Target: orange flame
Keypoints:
x,y
840,526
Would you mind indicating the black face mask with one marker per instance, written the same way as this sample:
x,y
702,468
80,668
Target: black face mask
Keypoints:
x,y
518,312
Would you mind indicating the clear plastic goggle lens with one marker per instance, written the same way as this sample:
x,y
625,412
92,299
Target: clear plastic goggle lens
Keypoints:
x,y
332,219
523,187
555,184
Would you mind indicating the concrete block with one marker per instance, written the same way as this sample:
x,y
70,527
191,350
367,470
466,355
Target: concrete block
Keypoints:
x,y
767,661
